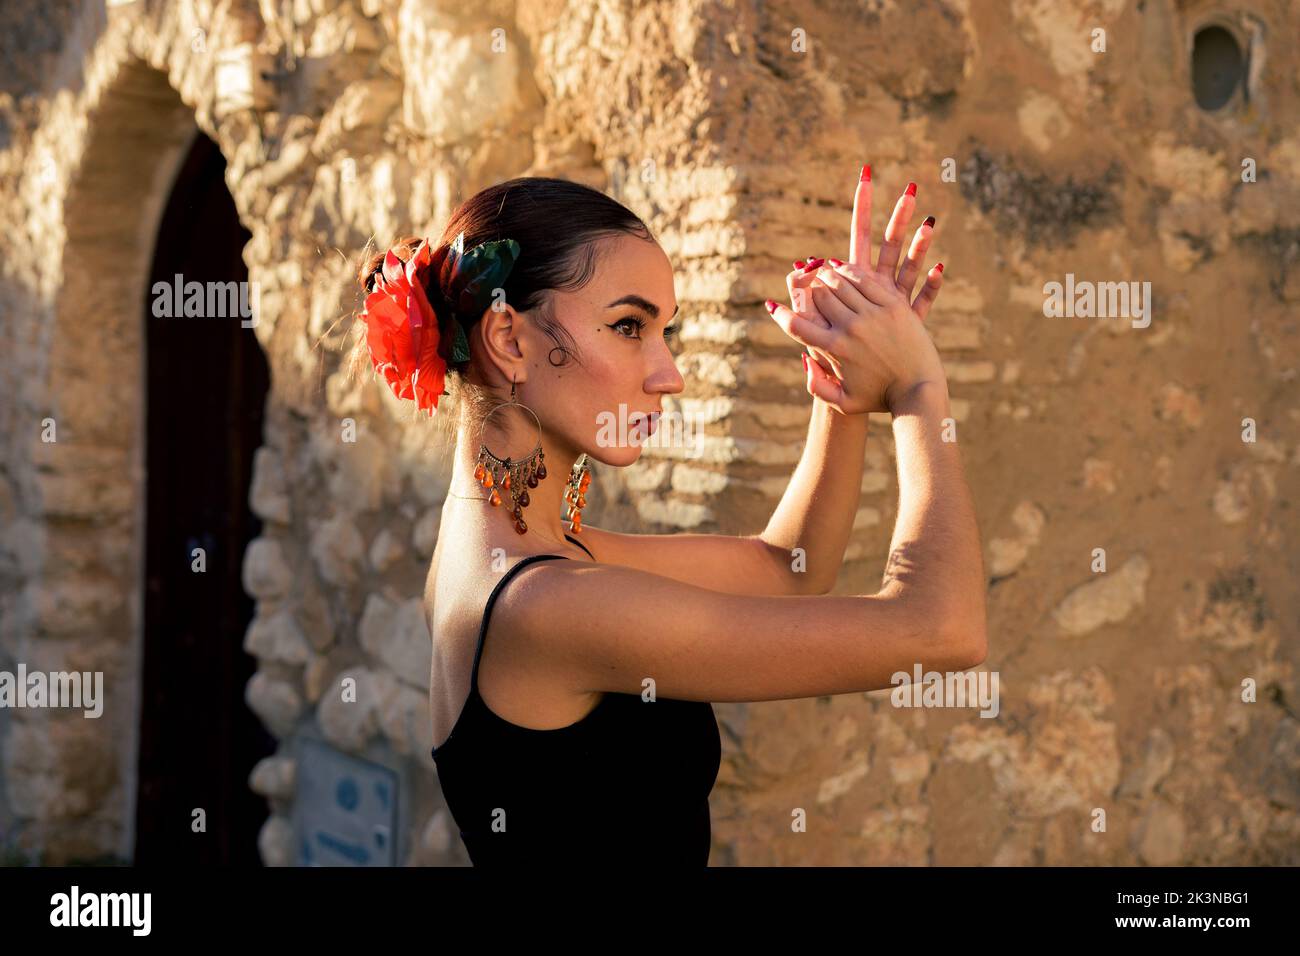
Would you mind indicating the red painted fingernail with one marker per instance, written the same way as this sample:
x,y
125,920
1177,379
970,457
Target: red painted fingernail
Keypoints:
x,y
816,263
771,306
804,356
939,266
835,262
865,175
929,221
798,263
911,189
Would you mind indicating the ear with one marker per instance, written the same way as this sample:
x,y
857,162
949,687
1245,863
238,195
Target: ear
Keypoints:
x,y
500,333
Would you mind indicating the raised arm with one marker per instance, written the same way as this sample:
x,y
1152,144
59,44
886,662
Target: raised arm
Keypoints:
x,y
817,510
588,627
935,558
597,627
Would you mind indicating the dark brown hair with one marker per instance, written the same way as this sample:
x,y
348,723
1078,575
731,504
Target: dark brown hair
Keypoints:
x,y
556,223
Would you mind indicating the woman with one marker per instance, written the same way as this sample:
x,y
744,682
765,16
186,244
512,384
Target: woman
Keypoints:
x,y
573,672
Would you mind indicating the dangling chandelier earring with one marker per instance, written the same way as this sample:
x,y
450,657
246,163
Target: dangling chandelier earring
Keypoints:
x,y
576,495
512,475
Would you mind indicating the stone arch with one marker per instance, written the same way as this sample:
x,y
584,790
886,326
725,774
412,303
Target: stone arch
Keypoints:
x,y
73,783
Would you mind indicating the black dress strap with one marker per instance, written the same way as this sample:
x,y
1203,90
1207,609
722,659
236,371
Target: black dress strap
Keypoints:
x,y
581,545
487,611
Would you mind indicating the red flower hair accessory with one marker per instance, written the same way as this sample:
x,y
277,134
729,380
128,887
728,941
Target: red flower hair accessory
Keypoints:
x,y
402,329
409,342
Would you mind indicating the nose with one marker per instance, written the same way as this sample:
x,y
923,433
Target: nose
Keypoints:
x,y
664,377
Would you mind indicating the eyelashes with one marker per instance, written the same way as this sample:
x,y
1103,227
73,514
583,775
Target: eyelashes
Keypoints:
x,y
640,324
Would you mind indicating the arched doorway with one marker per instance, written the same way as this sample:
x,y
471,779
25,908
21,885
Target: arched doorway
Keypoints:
x,y
155,427
206,381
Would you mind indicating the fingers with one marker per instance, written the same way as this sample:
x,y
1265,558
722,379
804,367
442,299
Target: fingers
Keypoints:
x,y
829,365
831,307
929,292
867,281
839,296
860,226
799,285
822,385
891,248
915,256
806,331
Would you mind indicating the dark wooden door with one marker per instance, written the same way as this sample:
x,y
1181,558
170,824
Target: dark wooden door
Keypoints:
x,y
206,387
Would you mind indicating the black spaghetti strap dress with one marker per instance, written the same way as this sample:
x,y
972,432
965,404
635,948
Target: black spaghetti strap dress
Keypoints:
x,y
627,784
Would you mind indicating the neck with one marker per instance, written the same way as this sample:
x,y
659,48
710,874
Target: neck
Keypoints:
x,y
544,513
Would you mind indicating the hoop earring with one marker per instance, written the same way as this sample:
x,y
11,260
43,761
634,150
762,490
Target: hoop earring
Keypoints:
x,y
514,475
576,495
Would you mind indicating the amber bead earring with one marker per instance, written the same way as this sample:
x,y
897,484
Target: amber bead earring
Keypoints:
x,y
514,476
576,494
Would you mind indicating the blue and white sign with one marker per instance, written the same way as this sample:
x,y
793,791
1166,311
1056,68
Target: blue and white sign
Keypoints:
x,y
346,809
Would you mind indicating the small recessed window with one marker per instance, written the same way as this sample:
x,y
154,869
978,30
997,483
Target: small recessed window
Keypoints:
x,y
1218,67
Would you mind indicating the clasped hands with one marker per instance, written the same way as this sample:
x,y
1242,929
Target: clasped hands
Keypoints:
x,y
859,322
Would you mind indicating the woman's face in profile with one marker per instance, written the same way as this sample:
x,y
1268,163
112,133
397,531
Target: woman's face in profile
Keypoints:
x,y
603,402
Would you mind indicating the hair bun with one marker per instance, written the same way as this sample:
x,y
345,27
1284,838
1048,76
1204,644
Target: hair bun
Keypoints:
x,y
437,298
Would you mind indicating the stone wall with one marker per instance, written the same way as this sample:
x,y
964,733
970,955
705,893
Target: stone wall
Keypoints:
x,y
735,131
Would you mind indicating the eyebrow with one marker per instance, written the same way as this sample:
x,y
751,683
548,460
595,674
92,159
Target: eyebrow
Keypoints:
x,y
644,304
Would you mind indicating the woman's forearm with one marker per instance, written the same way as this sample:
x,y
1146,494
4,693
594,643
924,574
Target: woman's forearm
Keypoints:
x,y
935,558
817,510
